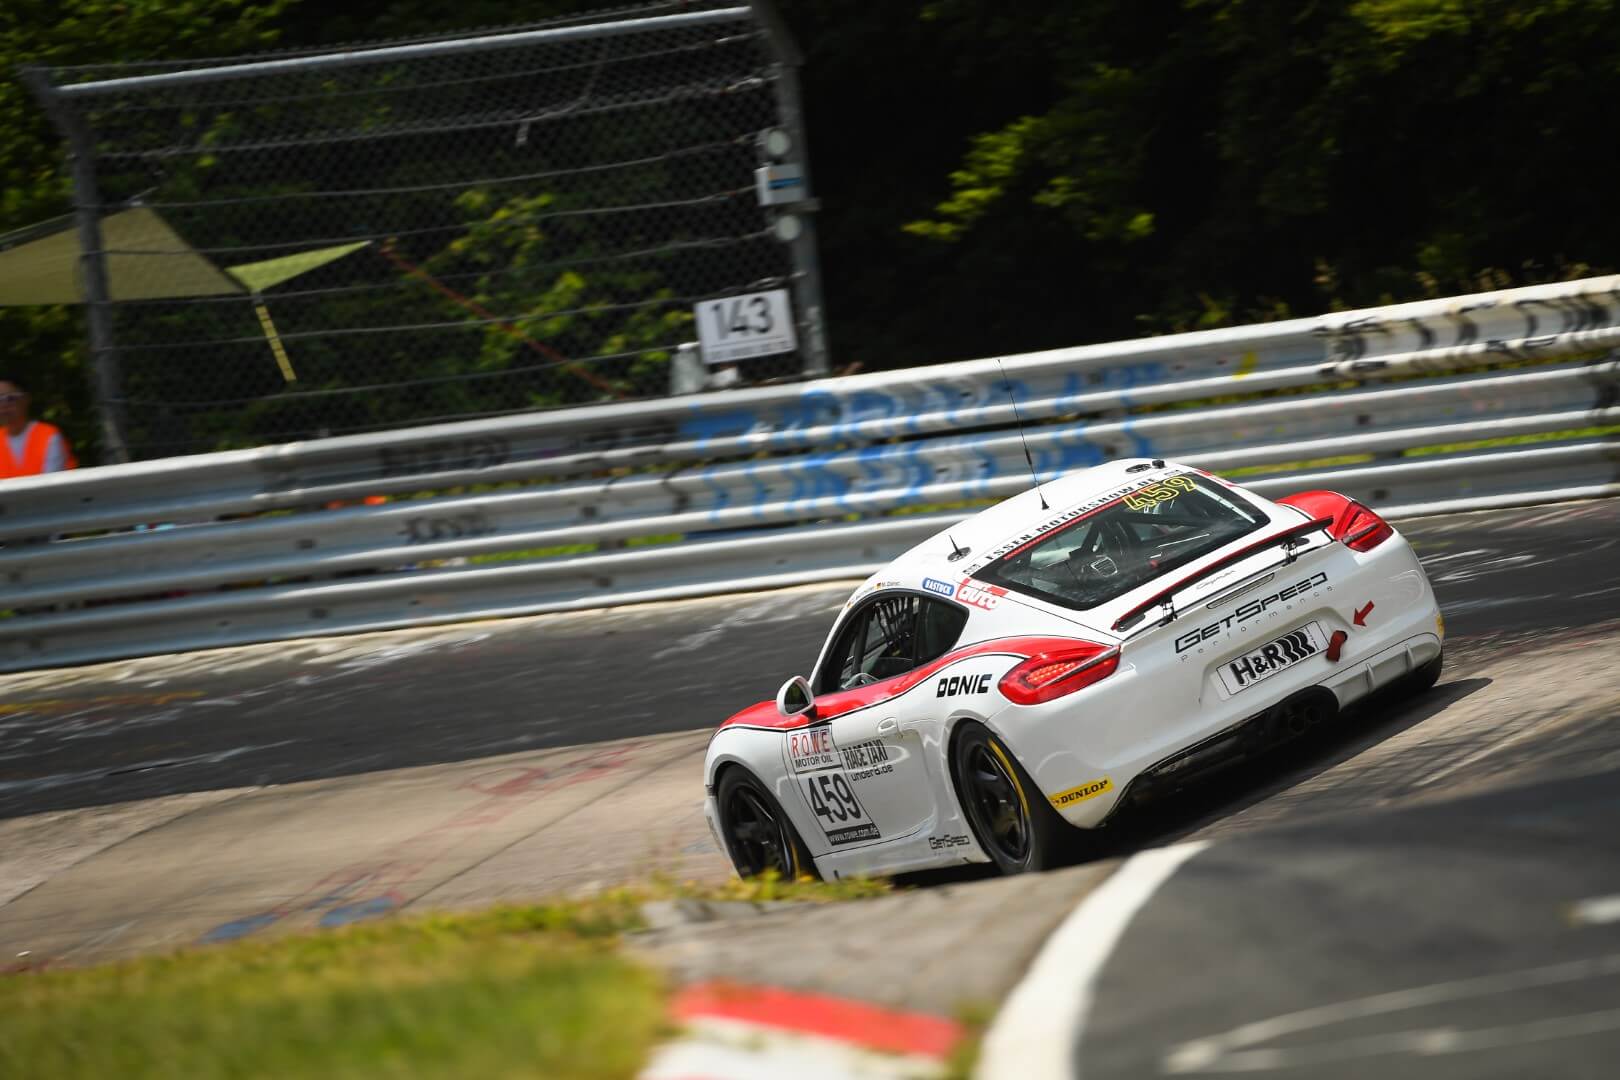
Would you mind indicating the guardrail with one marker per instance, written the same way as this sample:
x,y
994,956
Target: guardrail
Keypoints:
x,y
1411,405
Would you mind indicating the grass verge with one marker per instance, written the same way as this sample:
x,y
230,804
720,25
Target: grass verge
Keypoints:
x,y
515,992
975,1021
532,991
1514,440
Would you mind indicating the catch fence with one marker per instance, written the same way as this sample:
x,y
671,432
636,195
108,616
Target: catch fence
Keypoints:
x,y
313,244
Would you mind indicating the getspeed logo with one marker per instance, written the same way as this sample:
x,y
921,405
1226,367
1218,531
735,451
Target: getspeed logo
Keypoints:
x,y
1089,790
1244,612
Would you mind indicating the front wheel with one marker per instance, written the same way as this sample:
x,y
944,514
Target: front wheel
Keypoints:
x,y
758,835
1009,816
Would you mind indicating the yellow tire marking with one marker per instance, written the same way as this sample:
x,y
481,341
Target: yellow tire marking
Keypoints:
x,y
1012,774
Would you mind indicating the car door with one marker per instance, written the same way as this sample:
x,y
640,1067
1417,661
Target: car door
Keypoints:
x,y
863,776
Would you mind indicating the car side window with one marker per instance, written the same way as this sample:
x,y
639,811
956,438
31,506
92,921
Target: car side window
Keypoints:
x,y
889,637
938,626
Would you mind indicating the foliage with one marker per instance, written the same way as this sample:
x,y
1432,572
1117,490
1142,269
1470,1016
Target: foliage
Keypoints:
x,y
1002,177
616,309
1222,161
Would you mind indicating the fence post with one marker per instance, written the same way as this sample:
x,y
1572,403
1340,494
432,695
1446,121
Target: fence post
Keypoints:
x,y
802,240
686,372
106,377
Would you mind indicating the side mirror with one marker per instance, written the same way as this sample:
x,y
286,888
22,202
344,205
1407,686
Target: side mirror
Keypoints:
x,y
795,698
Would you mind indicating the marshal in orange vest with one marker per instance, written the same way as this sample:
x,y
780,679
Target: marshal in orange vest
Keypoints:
x,y
34,449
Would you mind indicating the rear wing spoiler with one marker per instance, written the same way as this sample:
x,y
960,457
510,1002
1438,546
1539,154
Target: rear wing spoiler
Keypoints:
x,y
1289,537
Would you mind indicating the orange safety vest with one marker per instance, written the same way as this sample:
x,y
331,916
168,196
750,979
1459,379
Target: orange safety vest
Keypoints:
x,y
33,459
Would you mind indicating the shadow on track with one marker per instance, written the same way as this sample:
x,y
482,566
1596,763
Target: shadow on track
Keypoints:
x,y
1247,783
1355,731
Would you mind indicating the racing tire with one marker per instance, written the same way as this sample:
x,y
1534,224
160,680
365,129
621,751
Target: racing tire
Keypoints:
x,y
1009,816
758,835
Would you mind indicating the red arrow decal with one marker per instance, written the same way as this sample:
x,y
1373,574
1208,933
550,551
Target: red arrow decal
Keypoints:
x,y
1361,614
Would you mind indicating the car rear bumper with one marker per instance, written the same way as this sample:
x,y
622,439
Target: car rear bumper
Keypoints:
x,y
1086,792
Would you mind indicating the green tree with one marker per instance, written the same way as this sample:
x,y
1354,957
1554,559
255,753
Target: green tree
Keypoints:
x,y
995,175
1214,160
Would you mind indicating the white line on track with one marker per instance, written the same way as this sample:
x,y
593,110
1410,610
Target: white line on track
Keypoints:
x,y
1037,1033
1596,910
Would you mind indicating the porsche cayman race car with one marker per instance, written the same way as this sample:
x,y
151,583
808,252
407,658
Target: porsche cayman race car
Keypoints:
x,y
1098,641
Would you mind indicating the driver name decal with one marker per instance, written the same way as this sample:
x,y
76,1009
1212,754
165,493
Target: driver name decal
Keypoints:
x,y
812,749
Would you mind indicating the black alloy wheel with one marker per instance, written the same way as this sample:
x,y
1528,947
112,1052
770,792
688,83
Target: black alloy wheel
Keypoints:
x,y
759,837
1008,814
995,804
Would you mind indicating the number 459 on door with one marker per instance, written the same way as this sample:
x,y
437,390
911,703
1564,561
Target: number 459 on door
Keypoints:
x,y
832,799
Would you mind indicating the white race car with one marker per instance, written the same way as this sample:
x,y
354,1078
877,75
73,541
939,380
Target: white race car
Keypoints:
x,y
1093,642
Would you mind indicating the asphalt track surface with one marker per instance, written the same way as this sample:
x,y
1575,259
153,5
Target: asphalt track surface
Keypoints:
x,y
1431,889
1448,906
1476,937
302,711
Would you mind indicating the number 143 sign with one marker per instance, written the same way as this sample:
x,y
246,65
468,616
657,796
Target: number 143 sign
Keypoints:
x,y
739,327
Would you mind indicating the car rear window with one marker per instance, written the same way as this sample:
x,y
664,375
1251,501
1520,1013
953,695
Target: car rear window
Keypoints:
x,y
1126,543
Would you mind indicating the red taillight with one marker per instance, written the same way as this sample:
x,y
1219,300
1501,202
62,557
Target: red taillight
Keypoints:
x,y
1361,529
1353,524
1056,672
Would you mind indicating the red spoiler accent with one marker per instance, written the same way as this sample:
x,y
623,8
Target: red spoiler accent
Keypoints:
x,y
1290,533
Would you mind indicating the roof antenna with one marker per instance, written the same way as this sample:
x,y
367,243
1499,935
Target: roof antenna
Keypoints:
x,y
1013,398
957,550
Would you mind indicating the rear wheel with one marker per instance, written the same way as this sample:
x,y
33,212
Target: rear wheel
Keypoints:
x,y
759,837
1009,817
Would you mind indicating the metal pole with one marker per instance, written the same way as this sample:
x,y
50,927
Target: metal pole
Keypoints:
x,y
806,259
106,375
391,53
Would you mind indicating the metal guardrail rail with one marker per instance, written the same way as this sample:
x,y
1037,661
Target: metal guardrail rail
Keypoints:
x,y
1409,405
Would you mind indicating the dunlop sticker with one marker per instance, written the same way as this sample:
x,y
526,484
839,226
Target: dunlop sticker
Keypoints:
x,y
1083,792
